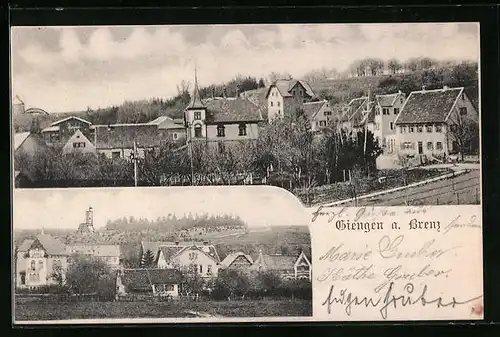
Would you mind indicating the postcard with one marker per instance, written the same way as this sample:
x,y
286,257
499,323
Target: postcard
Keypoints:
x,y
246,173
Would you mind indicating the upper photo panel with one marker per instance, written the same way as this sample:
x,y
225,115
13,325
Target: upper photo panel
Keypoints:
x,y
338,114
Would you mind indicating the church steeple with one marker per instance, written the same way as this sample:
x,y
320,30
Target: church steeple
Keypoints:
x,y
196,102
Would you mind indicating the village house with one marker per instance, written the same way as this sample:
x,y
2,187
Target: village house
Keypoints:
x,y
221,119
388,108
78,143
145,280
431,120
59,132
117,140
287,266
284,97
201,257
318,113
108,254
38,260
237,260
171,129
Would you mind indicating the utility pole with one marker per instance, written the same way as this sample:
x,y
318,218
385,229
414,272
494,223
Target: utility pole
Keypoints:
x,y
134,157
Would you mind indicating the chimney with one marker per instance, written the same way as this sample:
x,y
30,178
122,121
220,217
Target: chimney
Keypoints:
x,y
423,88
445,87
90,216
176,243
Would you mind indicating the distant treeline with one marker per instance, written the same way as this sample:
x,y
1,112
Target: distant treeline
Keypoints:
x,y
173,223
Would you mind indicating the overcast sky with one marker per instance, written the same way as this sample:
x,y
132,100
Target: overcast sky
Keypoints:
x,y
71,68
65,208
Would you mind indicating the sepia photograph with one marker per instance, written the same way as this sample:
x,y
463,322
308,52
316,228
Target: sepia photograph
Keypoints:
x,y
351,114
183,253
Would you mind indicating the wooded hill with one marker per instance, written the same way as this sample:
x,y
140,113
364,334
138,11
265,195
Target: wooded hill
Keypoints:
x,y
337,91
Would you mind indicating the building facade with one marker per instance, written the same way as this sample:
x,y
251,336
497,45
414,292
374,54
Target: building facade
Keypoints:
x,y
318,113
238,261
164,282
78,143
287,266
287,96
430,121
59,132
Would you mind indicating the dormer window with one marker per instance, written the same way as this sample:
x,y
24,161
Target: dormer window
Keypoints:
x,y
221,130
197,115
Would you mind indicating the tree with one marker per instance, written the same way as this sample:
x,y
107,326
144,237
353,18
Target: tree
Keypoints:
x,y
262,84
394,66
148,259
35,126
88,275
192,282
230,283
465,133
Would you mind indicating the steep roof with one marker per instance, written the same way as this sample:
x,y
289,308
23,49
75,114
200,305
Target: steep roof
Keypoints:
x,y
17,100
51,128
168,252
257,97
123,136
312,108
98,250
165,122
387,100
25,245
143,278
196,102
285,86
428,106
354,107
70,117
171,249
222,110
51,245
19,139
228,260
275,262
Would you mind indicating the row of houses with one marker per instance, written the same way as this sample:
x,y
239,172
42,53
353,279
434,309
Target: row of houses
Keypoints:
x,y
422,123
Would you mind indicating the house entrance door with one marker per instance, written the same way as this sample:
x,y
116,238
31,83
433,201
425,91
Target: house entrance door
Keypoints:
x,y
420,148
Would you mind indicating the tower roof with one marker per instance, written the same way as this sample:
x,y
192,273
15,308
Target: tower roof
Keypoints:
x,y
196,102
17,100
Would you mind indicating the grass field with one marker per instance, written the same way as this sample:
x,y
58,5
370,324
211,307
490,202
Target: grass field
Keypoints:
x,y
100,310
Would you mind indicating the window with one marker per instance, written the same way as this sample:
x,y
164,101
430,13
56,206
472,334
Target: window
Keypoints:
x,y
193,255
278,103
294,92
407,146
271,103
396,111
391,126
197,131
385,111
429,128
453,128
209,269
420,128
401,100
402,129
40,264
197,115
201,269
242,129
175,136
221,130
279,112
115,154
430,146
463,111
169,287
439,146
33,264
322,123
328,113
78,144
439,128
411,129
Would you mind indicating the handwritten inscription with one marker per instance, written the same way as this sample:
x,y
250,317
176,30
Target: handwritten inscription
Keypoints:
x,y
390,299
471,223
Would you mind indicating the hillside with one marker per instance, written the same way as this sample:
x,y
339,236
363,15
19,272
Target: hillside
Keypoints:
x,y
337,91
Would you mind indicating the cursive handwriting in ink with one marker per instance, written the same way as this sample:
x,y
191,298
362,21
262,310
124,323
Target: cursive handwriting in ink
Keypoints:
x,y
349,300
455,224
391,249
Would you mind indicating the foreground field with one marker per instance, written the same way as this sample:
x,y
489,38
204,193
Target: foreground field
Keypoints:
x,y
95,310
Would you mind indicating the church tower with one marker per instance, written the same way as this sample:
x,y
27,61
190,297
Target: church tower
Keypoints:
x,y
17,106
195,114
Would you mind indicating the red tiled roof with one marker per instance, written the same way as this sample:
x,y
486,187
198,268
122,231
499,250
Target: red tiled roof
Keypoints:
x,y
142,279
428,106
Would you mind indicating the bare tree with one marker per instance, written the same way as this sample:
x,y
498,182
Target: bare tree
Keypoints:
x,y
464,131
394,65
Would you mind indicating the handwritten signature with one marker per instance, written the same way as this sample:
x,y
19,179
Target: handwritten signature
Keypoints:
x,y
389,300
455,224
